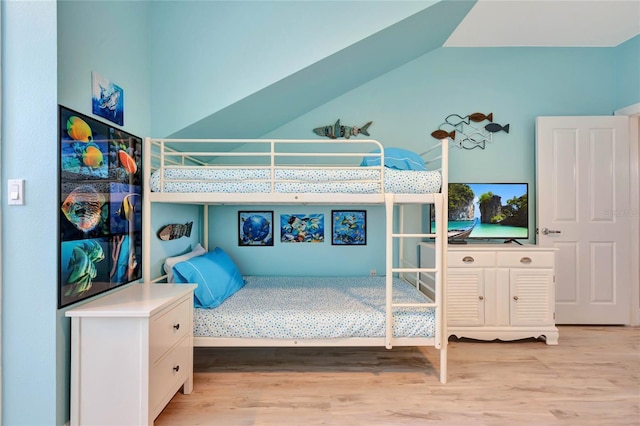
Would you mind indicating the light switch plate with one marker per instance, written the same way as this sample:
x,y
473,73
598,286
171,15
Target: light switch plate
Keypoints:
x,y
15,192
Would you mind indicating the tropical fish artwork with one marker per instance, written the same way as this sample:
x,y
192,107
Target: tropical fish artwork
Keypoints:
x,y
339,131
349,228
92,156
174,231
78,129
124,259
127,209
466,135
298,228
83,207
109,98
82,266
127,161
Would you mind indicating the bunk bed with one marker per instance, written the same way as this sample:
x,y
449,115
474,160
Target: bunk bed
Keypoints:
x,y
406,303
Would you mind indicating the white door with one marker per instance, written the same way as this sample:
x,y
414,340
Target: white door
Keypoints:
x,y
583,205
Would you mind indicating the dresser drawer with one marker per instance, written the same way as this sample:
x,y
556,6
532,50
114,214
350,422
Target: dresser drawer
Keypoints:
x,y
169,373
470,259
168,327
526,259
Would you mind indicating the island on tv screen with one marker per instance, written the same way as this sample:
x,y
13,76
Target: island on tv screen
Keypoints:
x,y
488,211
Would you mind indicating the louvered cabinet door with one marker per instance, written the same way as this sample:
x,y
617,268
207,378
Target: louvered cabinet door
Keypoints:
x,y
465,297
531,294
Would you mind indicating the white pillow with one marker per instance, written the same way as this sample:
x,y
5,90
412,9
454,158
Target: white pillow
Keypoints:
x,y
170,262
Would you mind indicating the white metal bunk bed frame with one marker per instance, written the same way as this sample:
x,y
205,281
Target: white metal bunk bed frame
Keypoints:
x,y
434,286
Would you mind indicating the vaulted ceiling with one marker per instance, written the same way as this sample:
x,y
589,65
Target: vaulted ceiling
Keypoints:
x,y
449,23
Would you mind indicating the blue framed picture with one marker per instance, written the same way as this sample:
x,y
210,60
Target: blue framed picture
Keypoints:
x,y
107,99
255,228
302,228
349,227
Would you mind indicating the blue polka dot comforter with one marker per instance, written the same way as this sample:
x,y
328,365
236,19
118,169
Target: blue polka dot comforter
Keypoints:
x,y
315,308
360,180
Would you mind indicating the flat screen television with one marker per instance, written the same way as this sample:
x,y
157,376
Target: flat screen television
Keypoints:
x,y
490,211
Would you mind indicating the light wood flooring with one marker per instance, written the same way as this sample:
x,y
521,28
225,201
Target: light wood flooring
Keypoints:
x,y
591,378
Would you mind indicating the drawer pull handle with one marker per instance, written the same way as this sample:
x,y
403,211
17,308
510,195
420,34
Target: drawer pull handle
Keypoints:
x,y
176,368
526,260
481,297
177,326
468,259
515,298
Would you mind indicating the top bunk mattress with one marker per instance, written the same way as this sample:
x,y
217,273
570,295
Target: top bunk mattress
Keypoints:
x,y
358,180
315,308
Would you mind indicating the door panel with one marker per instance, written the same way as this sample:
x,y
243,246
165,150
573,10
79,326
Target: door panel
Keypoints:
x,y
583,183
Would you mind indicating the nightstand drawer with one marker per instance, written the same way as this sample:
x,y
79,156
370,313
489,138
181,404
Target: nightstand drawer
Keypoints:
x,y
526,259
471,259
170,372
168,328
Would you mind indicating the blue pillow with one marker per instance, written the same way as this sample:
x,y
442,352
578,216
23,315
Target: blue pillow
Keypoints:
x,y
216,275
397,158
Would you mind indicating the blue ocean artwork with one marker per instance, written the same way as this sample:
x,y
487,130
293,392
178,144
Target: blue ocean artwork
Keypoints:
x,y
89,159
125,208
107,99
302,228
256,228
83,264
349,227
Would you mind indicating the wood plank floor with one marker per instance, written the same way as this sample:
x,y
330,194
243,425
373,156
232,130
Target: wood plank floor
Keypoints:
x,y
591,378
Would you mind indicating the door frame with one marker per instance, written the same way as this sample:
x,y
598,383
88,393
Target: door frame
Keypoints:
x,y
633,111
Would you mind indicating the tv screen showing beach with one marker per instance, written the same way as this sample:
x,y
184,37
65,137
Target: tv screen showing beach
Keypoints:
x,y
488,211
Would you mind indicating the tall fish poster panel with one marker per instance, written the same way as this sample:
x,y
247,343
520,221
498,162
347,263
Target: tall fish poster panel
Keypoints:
x,y
100,198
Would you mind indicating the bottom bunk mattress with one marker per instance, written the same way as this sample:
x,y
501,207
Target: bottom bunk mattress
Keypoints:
x,y
315,308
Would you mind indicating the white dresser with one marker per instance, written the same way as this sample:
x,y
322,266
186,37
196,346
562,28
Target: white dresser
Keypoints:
x,y
496,291
131,351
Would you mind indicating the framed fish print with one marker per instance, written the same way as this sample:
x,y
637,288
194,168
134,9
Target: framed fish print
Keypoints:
x,y
348,227
100,199
107,99
302,228
255,228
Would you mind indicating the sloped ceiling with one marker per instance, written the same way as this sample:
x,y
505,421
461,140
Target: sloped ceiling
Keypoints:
x,y
449,23
339,73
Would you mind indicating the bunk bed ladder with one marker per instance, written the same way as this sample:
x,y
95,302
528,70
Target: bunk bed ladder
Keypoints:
x,y
437,273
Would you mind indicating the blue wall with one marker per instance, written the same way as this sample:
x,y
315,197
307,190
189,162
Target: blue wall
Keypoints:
x,y
49,50
30,326
233,49
627,73
515,84
65,41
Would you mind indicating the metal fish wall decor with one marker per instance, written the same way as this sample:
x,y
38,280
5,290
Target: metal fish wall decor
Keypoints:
x,y
337,130
466,135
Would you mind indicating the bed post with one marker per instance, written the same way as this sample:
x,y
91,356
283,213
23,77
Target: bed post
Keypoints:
x,y
443,244
388,203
